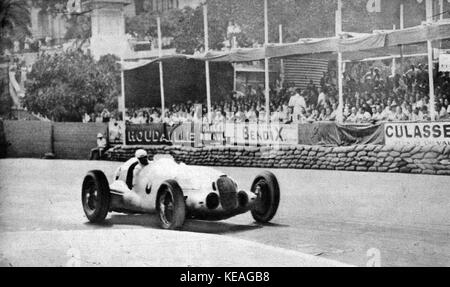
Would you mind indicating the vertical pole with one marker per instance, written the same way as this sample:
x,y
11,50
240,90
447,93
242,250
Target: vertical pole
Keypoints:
x,y
441,17
402,19
161,71
429,10
429,13
394,63
402,26
338,24
282,77
340,112
266,61
234,77
208,84
122,98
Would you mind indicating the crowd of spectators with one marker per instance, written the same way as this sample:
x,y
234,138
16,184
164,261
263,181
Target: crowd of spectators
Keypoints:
x,y
374,98
369,97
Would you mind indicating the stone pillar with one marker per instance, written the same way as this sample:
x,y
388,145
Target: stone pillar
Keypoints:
x,y
108,28
34,15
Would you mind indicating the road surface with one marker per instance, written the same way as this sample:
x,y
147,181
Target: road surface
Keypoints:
x,y
324,218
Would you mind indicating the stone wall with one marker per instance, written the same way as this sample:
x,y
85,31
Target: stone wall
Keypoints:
x,y
75,140
27,138
34,139
408,159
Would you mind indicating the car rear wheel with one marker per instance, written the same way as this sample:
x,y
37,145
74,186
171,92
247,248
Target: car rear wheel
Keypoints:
x,y
266,187
170,205
95,196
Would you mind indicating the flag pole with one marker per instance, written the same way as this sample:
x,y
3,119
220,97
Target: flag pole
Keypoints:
x,y
280,27
429,13
208,84
340,112
402,26
394,62
122,97
266,61
161,71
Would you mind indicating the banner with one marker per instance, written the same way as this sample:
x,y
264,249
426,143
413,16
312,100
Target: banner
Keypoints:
x,y
249,134
213,134
262,134
182,134
146,134
417,133
444,63
332,134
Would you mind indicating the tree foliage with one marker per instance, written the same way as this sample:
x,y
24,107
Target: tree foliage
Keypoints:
x,y
78,25
185,26
14,22
300,19
64,86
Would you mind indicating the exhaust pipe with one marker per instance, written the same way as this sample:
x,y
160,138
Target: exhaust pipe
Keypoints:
x,y
212,201
242,199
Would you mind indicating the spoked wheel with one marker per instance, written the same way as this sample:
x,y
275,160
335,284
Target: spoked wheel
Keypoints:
x,y
170,205
266,187
95,196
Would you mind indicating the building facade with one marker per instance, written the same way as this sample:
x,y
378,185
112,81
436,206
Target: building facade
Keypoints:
x,y
45,24
165,5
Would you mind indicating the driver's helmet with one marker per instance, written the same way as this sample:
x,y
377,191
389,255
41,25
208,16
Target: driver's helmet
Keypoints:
x,y
100,136
142,156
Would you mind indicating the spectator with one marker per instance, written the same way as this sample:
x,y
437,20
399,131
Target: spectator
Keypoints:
x,y
86,118
97,153
105,116
415,117
297,102
399,115
353,118
115,133
322,98
377,114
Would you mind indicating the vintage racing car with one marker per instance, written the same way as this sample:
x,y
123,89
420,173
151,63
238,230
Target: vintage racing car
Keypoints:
x,y
177,191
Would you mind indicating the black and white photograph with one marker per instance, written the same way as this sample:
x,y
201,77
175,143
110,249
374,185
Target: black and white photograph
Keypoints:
x,y
224,133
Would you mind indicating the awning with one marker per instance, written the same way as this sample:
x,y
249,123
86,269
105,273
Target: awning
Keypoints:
x,y
362,46
138,63
327,45
353,46
386,52
418,34
234,55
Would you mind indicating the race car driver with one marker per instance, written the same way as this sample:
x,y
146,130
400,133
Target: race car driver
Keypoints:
x,y
142,157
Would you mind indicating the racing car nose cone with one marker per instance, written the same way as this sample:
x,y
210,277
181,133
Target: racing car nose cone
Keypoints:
x,y
228,193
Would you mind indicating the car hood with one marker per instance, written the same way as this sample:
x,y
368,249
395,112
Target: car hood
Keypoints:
x,y
189,177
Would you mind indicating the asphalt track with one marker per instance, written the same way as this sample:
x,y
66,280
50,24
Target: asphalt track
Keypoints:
x,y
326,218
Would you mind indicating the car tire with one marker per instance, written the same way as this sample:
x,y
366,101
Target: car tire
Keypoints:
x,y
268,190
171,205
95,196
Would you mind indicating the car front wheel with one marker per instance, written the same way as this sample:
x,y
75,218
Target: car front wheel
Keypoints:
x,y
170,205
266,187
95,196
